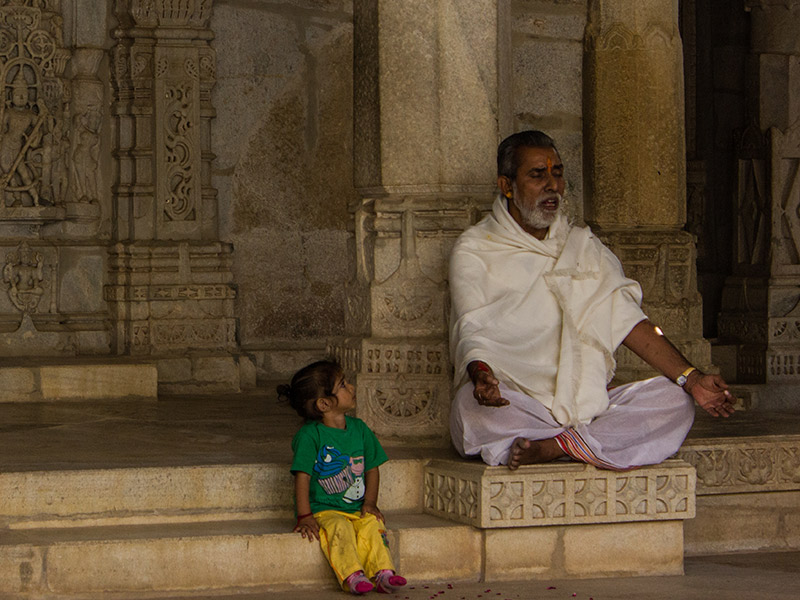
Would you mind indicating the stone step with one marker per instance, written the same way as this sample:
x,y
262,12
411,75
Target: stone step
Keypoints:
x,y
150,495
77,380
223,555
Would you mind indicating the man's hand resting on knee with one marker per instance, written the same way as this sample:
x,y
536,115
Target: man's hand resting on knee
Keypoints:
x,y
487,387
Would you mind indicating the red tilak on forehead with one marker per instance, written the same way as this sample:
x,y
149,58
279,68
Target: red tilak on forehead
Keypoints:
x,y
549,165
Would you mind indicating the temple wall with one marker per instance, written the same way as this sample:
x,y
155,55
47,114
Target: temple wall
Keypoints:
x,y
187,180
284,166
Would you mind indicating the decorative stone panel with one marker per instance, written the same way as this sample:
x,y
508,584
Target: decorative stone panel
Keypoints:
x,y
751,464
164,70
402,384
557,494
167,297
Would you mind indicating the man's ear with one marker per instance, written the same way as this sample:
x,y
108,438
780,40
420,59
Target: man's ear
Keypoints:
x,y
504,183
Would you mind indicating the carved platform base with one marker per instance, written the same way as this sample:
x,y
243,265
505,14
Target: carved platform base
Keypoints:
x,y
557,494
538,521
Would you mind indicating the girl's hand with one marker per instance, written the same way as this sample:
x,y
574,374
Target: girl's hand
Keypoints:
x,y
308,528
373,510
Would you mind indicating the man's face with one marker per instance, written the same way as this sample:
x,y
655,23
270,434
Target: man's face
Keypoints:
x,y
535,192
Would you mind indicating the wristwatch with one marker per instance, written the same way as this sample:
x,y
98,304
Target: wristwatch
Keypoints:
x,y
681,380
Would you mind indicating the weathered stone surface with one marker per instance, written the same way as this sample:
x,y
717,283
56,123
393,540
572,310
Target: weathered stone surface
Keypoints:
x,y
651,548
17,384
629,549
742,522
427,554
173,370
559,21
557,494
88,382
517,554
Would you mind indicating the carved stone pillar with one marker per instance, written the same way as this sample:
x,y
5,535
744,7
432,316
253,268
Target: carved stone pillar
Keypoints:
x,y
761,301
635,164
170,277
427,114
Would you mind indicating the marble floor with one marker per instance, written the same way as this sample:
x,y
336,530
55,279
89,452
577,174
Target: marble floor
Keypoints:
x,y
243,428
772,576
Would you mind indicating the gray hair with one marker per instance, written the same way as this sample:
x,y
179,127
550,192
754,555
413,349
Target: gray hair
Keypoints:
x,y
507,163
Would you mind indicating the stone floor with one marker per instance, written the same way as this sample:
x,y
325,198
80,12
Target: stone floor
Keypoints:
x,y
773,576
254,428
174,431
235,429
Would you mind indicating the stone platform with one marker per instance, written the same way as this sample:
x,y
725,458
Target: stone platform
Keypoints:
x,y
193,495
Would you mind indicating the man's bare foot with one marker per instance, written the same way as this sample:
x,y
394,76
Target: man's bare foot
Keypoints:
x,y
532,452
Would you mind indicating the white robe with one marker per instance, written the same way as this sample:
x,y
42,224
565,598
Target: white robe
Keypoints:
x,y
546,315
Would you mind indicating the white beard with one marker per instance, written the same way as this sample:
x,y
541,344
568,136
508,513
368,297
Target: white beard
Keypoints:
x,y
537,217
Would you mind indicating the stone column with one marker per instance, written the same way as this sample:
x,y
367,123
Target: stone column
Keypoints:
x,y
427,119
170,276
635,164
761,301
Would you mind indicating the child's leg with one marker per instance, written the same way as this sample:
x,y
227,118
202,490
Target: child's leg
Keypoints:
x,y
373,547
337,538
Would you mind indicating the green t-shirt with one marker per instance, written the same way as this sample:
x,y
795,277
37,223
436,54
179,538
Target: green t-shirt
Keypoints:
x,y
337,460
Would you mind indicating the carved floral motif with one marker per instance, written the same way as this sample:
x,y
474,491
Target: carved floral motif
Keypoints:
x,y
179,140
756,466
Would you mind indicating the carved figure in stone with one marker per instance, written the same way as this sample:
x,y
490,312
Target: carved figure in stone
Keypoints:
x,y
23,274
20,140
539,306
86,154
335,465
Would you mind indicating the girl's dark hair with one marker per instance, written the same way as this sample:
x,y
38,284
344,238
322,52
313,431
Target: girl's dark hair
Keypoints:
x,y
309,383
507,159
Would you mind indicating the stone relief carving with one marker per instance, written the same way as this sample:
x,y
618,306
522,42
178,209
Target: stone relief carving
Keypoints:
x,y
403,399
163,75
34,105
23,275
179,142
86,154
489,497
408,302
760,466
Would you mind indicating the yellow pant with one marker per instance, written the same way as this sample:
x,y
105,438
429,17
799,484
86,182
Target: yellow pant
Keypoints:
x,y
353,543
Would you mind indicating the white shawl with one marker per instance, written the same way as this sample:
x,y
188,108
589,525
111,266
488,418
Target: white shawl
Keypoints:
x,y
546,315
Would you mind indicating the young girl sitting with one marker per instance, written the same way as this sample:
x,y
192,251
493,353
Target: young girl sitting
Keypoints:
x,y
335,467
